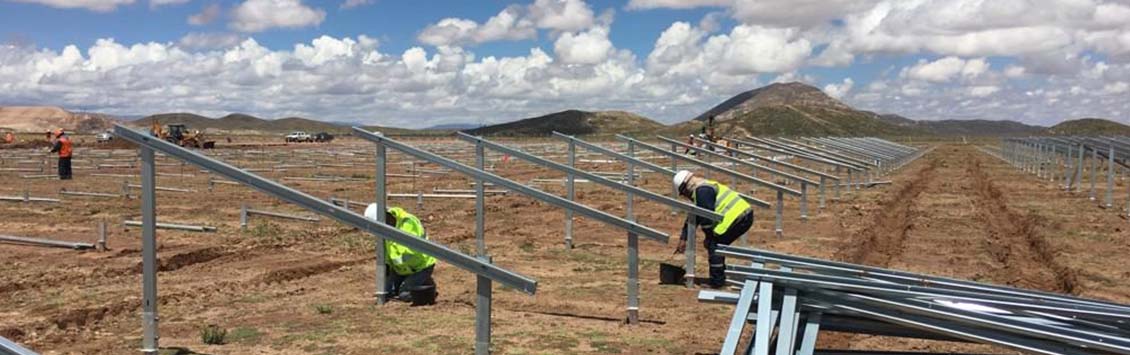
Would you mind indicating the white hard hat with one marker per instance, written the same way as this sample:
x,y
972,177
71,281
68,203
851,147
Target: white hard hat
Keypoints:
x,y
371,212
680,178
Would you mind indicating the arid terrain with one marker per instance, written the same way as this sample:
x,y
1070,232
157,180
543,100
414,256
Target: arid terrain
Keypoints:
x,y
954,212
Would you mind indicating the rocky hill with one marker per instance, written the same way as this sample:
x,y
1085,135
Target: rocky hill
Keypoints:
x,y
238,122
45,118
964,127
790,109
573,122
1089,127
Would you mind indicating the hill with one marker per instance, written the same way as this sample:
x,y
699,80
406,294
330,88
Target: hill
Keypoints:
x,y
45,118
964,127
790,109
238,122
573,122
1089,127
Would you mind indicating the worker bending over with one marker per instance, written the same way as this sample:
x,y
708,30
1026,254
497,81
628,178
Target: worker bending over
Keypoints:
x,y
408,269
65,149
737,217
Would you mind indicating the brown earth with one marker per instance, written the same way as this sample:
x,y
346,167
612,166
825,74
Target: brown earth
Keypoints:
x,y
955,212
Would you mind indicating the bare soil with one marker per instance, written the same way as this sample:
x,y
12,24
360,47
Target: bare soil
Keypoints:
x,y
955,212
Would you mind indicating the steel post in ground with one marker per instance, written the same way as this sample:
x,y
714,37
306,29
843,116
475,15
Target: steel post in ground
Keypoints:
x,y
480,197
1079,168
779,226
633,249
837,197
1067,169
804,201
381,167
482,312
149,319
102,236
690,233
570,194
1109,177
243,217
1094,173
823,182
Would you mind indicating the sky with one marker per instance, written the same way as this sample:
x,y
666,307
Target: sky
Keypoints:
x,y
420,63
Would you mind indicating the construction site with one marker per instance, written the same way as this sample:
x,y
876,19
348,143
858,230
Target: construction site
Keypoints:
x,y
566,245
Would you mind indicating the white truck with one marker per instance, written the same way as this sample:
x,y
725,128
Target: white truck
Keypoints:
x,y
299,136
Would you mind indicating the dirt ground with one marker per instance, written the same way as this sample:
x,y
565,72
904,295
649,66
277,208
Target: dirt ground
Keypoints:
x,y
306,288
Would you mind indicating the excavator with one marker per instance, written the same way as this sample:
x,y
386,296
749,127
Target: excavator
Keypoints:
x,y
180,135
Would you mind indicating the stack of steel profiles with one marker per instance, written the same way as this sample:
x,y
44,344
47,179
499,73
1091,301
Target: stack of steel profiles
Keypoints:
x,y
795,298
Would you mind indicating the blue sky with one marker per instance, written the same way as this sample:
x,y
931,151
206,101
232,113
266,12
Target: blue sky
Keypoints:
x,y
419,63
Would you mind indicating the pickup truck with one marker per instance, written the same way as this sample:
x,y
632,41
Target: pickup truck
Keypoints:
x,y
299,137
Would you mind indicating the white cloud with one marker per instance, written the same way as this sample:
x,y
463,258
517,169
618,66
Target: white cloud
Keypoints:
x,y
508,24
755,49
211,40
590,47
984,90
946,69
157,3
1116,87
675,4
349,4
839,90
205,16
92,5
561,15
515,22
261,15
788,13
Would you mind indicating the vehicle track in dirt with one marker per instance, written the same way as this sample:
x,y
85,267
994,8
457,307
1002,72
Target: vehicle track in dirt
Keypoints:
x,y
882,240
1014,240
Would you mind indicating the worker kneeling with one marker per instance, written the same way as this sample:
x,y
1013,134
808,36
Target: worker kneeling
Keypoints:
x,y
737,217
408,270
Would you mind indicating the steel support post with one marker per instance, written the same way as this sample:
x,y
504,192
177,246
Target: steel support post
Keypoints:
x,y
149,319
102,236
1094,173
633,248
690,232
823,182
839,183
1079,168
570,194
780,213
480,197
804,201
482,312
382,205
1109,177
1067,169
243,216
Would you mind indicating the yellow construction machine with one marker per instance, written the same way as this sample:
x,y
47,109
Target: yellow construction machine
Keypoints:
x,y
180,135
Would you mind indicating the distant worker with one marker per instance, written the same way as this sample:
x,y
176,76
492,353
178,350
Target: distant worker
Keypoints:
x,y
65,149
737,218
9,138
408,269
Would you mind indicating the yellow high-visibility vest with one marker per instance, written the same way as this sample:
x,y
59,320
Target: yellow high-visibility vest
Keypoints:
x,y
726,203
403,260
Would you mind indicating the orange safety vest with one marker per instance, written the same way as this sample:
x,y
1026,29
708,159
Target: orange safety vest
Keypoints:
x,y
64,147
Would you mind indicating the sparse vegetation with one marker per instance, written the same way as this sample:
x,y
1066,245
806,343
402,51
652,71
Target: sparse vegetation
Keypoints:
x,y
324,308
213,335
